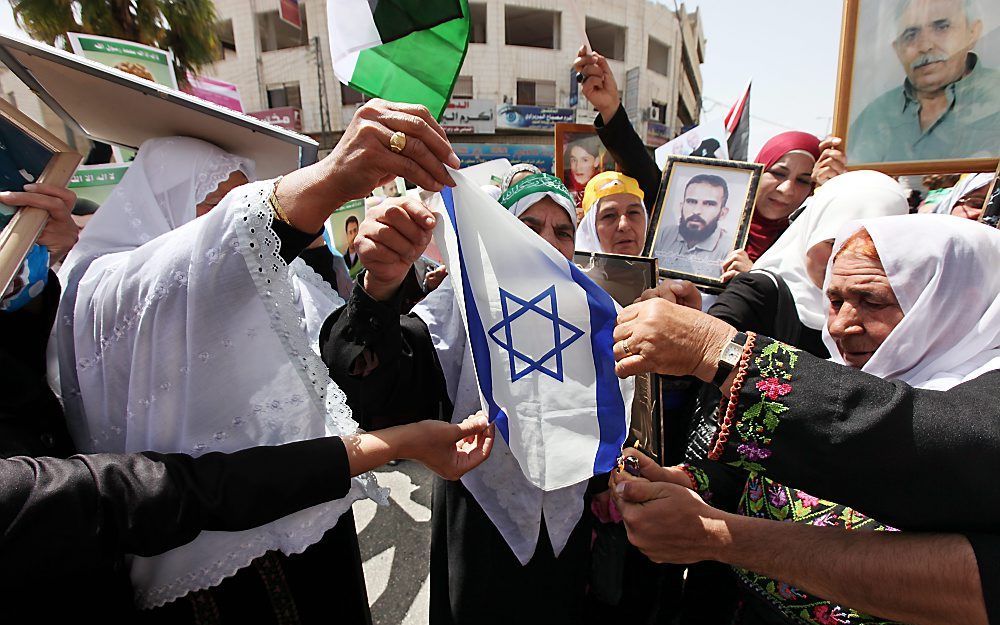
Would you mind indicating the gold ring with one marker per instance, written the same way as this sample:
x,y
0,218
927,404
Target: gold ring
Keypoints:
x,y
625,347
397,143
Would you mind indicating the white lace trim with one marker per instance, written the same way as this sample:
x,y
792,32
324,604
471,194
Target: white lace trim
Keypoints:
x,y
260,247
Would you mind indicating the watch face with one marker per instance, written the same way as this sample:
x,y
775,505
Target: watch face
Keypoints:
x,y
731,354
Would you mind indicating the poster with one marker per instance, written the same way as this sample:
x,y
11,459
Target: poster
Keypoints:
x,y
133,58
96,182
215,91
342,227
468,117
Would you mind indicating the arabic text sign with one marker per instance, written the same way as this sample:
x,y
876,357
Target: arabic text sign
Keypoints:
x,y
96,182
143,61
215,91
470,117
519,117
541,156
287,117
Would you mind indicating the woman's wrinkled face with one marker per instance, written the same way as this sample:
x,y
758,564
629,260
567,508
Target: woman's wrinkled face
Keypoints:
x,y
863,308
621,224
235,179
785,185
582,165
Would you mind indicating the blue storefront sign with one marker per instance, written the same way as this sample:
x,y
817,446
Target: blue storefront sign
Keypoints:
x,y
541,156
518,117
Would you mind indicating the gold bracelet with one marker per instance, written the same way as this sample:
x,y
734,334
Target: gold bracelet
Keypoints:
x,y
276,205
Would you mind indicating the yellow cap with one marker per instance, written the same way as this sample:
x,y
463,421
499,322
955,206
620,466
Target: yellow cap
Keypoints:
x,y
609,183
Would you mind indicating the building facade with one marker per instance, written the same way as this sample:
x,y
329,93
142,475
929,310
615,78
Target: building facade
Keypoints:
x,y
516,80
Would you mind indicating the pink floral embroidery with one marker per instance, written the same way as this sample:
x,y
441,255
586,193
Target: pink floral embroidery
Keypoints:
x,y
773,388
830,615
807,500
752,451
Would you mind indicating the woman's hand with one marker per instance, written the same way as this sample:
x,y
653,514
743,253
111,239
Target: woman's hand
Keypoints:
x,y
434,278
599,85
832,161
392,236
679,292
450,450
736,263
60,233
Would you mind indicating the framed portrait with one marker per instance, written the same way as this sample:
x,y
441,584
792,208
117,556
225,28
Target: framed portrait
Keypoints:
x,y
580,156
28,153
702,213
342,228
624,278
991,208
918,88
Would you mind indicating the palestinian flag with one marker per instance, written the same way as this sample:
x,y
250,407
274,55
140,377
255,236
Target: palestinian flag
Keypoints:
x,y
738,127
400,50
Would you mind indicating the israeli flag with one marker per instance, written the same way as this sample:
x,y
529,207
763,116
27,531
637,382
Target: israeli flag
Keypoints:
x,y
541,338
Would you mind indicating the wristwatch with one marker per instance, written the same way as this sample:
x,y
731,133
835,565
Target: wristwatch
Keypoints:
x,y
729,358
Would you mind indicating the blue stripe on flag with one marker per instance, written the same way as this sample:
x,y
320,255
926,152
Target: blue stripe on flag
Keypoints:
x,y
610,405
477,334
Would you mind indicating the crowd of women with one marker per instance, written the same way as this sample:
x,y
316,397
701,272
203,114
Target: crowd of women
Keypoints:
x,y
837,467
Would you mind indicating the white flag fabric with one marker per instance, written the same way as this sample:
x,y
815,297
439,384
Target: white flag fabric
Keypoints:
x,y
540,332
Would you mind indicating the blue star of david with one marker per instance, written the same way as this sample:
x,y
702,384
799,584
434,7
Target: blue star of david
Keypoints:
x,y
563,334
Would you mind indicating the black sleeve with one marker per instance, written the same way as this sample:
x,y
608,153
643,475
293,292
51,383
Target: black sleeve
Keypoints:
x,y
625,146
403,382
910,457
749,303
987,550
68,514
293,240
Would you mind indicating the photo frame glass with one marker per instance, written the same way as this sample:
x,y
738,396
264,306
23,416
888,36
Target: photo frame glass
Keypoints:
x,y
580,155
624,278
702,214
898,57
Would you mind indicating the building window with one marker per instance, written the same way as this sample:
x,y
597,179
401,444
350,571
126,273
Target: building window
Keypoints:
x,y
607,38
350,96
227,39
536,92
658,59
534,28
477,33
275,34
286,94
463,87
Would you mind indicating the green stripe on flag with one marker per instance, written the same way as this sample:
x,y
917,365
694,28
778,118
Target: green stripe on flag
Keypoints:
x,y
419,68
396,19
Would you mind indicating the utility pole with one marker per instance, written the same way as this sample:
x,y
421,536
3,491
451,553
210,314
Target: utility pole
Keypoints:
x,y
324,104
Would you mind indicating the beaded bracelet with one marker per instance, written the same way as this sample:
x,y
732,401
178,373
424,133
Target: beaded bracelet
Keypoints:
x,y
727,407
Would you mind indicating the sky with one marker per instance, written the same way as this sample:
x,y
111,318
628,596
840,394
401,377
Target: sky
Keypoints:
x,y
788,47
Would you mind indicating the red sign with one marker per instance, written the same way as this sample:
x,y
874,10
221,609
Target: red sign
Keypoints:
x,y
287,117
288,11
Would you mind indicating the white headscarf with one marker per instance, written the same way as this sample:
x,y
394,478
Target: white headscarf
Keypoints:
x,y
845,198
512,503
178,334
966,185
944,273
586,235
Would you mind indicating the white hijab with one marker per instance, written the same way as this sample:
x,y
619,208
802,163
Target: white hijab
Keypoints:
x,y
512,503
943,271
586,235
967,184
177,334
850,196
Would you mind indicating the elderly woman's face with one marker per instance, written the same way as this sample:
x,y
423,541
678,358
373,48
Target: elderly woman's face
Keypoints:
x,y
551,222
621,224
863,307
235,179
785,185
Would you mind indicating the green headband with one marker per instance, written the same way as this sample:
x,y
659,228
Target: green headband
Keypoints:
x,y
535,183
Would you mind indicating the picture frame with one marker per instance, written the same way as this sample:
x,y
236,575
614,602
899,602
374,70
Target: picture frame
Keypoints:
x,y
719,201
30,153
624,278
991,208
342,228
869,115
579,156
